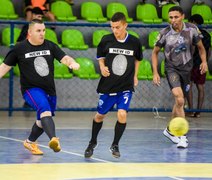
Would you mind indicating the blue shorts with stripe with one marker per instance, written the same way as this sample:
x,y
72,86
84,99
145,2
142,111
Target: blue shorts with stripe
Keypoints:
x,y
40,101
107,101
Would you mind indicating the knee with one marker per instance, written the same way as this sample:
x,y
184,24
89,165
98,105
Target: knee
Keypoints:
x,y
38,122
45,113
122,116
180,101
99,117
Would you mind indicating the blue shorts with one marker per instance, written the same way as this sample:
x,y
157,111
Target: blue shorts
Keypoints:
x,y
40,101
107,101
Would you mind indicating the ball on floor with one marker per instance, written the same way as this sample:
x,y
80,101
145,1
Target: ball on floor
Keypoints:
x,y
178,126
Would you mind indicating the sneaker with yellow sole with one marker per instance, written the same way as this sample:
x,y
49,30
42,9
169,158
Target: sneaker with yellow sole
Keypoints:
x,y
54,144
32,147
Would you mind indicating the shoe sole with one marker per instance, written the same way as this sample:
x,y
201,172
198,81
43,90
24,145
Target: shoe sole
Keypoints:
x,y
31,151
54,145
115,156
181,147
169,138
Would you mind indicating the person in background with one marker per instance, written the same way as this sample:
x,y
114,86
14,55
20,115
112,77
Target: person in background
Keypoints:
x,y
164,2
178,40
198,2
35,59
37,13
44,5
196,77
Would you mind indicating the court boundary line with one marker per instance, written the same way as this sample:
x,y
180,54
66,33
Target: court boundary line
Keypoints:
x,y
72,153
64,151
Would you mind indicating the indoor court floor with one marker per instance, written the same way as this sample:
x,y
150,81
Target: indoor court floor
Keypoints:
x,y
145,153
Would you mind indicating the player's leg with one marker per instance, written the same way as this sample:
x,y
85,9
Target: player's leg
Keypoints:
x,y
30,142
105,103
185,84
201,95
48,123
178,109
96,127
45,107
174,82
200,83
123,103
189,98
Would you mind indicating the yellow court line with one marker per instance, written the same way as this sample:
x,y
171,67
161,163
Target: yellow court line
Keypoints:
x,y
103,170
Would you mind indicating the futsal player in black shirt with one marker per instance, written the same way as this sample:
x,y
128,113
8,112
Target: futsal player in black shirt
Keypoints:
x,y
119,55
35,58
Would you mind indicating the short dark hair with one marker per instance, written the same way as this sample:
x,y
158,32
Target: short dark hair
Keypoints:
x,y
196,18
176,8
118,16
37,10
35,21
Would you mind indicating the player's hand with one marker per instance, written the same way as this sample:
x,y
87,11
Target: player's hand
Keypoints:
x,y
135,81
74,66
203,67
105,71
156,79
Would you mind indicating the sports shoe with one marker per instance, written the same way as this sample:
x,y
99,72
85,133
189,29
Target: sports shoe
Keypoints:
x,y
89,150
33,147
114,149
54,144
170,136
183,142
197,114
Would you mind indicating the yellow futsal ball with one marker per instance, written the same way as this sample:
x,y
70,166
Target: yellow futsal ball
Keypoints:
x,y
178,126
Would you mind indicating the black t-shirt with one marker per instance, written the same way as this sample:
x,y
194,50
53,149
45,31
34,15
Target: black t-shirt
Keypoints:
x,y
206,40
120,59
23,34
36,64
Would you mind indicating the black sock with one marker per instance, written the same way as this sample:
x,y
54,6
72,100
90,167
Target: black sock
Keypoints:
x,y
95,131
119,130
35,133
48,126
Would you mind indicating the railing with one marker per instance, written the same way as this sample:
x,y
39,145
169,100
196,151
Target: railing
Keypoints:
x,y
82,93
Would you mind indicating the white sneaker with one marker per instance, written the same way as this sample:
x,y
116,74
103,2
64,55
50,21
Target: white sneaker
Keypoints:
x,y
170,136
183,142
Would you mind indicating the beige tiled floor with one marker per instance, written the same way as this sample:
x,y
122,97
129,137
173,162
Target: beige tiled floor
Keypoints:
x,y
83,120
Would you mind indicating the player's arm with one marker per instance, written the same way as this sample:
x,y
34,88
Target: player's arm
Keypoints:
x,y
70,62
202,54
156,77
4,69
137,63
104,69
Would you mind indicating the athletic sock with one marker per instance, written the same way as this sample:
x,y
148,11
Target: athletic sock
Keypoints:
x,y
119,130
95,131
35,133
48,126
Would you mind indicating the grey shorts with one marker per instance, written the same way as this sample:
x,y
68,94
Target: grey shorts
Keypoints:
x,y
178,78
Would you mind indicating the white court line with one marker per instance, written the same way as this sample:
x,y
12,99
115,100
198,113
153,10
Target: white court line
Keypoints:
x,y
176,178
72,153
67,152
